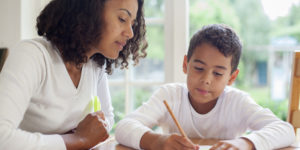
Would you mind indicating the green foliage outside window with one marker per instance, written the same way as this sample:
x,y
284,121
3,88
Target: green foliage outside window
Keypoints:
x,y
255,29
288,25
155,38
247,18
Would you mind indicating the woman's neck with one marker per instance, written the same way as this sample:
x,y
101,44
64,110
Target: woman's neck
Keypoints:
x,y
74,72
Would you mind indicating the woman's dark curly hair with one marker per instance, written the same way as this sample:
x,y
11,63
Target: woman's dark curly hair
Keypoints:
x,y
223,38
74,25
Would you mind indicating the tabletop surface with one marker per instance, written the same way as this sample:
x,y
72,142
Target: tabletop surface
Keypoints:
x,y
112,144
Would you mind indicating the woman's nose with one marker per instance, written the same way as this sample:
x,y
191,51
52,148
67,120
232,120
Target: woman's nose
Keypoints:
x,y
129,32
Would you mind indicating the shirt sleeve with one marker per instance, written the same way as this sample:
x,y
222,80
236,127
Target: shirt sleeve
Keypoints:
x,y
105,99
268,131
130,130
20,77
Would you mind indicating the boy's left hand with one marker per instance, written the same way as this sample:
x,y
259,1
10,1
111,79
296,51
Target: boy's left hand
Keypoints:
x,y
236,144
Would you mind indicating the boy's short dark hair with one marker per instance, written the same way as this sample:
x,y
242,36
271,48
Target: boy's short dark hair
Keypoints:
x,y
220,36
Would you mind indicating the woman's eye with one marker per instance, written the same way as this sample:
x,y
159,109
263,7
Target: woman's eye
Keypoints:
x,y
134,23
122,20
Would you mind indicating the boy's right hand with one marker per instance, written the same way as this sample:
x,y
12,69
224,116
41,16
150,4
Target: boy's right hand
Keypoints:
x,y
155,141
89,132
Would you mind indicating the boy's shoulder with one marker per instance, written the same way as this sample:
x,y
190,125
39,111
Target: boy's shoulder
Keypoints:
x,y
234,92
172,89
174,86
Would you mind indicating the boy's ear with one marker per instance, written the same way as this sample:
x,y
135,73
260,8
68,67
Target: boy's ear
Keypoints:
x,y
233,76
184,64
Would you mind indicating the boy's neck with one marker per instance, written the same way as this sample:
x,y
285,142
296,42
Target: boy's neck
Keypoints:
x,y
203,108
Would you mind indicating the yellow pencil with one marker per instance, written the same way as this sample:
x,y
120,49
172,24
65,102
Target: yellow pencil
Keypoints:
x,y
175,120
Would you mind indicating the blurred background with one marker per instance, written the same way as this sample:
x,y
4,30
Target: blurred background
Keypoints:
x,y
269,30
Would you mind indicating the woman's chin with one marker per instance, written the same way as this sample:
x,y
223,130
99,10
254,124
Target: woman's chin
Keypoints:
x,y
112,56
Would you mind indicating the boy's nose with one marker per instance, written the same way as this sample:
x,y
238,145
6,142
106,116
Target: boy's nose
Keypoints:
x,y
206,79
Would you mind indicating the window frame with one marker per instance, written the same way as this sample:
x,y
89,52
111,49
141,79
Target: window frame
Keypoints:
x,y
175,23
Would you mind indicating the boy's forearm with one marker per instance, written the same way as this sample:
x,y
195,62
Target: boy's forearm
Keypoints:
x,y
148,139
249,143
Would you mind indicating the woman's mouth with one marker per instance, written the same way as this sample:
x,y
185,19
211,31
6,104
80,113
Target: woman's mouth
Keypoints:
x,y
121,45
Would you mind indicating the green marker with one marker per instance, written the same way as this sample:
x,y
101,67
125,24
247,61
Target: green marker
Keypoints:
x,y
97,104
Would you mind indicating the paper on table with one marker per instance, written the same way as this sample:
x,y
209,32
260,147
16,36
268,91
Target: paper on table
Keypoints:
x,y
296,145
204,147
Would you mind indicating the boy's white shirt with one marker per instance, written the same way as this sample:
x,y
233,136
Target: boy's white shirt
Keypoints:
x,y
38,100
234,113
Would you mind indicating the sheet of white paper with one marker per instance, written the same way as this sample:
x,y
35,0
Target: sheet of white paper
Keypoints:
x,y
204,147
296,145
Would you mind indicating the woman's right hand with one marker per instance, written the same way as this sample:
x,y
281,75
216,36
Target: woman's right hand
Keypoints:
x,y
89,132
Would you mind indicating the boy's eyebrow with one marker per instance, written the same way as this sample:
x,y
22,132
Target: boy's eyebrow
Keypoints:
x,y
202,62
221,67
128,12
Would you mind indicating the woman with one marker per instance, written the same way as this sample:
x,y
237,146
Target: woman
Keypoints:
x,y
47,84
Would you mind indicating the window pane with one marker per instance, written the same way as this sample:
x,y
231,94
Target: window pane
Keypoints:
x,y
265,66
117,74
152,67
154,8
118,102
142,94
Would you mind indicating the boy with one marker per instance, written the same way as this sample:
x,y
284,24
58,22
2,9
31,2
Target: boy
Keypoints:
x,y
206,107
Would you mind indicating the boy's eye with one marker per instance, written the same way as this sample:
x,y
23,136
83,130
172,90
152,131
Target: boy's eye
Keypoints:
x,y
218,74
199,69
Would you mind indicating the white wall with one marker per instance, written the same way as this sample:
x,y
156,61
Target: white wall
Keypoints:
x,y
18,20
10,16
30,9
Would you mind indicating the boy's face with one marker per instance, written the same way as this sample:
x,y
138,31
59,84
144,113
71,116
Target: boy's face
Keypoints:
x,y
208,72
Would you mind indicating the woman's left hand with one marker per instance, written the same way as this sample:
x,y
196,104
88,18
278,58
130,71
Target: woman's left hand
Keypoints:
x,y
89,132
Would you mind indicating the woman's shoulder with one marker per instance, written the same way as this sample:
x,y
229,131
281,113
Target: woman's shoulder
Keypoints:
x,y
98,71
37,46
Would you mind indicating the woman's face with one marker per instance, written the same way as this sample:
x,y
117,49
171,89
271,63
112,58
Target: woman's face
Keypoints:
x,y
119,17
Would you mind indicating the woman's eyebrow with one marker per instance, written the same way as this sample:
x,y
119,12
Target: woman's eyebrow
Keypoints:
x,y
128,12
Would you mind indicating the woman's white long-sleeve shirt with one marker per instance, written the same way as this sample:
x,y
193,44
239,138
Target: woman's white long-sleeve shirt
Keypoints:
x,y
234,113
38,100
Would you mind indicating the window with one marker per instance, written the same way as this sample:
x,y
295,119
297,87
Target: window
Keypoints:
x,y
129,88
265,65
163,64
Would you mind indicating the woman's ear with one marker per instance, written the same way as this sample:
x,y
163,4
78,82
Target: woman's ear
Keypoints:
x,y
184,64
233,77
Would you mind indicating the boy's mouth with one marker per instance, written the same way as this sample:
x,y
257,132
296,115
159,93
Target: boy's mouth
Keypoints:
x,y
202,92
